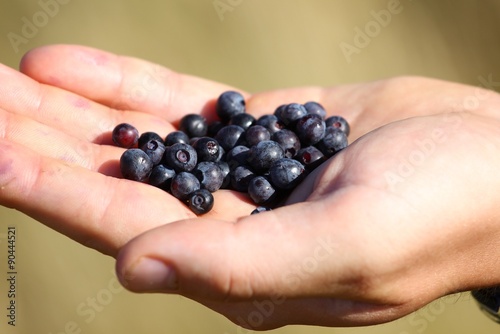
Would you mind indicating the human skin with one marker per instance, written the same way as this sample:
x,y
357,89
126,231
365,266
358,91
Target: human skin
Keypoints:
x,y
404,215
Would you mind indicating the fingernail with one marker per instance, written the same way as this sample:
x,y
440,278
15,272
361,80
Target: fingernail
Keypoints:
x,y
150,275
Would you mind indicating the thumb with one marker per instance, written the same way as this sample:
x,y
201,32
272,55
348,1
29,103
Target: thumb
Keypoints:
x,y
287,252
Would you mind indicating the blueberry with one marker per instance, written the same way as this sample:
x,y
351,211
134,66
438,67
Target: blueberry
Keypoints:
x,y
207,149
224,167
279,111
310,156
264,154
315,108
271,123
194,125
241,177
334,141
147,136
243,120
155,149
286,173
310,129
222,154
338,122
230,136
260,209
260,190
180,157
266,157
135,165
291,113
209,174
237,156
161,177
201,201
183,184
193,140
288,140
175,137
214,127
256,134
229,104
125,135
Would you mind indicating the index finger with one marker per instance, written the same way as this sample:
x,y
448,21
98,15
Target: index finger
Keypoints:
x,y
122,82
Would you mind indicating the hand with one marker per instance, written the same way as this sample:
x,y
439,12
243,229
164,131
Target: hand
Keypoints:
x,y
382,229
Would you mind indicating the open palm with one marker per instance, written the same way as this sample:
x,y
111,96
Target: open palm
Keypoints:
x,y
358,240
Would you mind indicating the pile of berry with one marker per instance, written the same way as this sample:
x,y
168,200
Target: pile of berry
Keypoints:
x,y
265,157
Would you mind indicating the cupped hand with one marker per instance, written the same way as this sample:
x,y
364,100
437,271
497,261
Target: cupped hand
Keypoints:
x,y
404,215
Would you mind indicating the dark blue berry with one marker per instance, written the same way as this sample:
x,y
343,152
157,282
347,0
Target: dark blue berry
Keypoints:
x,y
194,125
183,184
310,156
237,156
264,154
155,149
135,165
338,122
209,174
201,201
261,190
334,141
286,173
161,177
316,109
175,137
224,167
193,140
243,120
271,123
125,135
310,129
278,111
207,149
147,136
256,134
291,113
260,209
288,141
214,127
230,136
241,177
229,104
180,157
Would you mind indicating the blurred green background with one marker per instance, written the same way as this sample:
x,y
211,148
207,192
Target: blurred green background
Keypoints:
x,y
254,45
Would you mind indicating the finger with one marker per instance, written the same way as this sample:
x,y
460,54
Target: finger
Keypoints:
x,y
57,144
67,111
122,82
96,210
252,258
133,84
274,256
